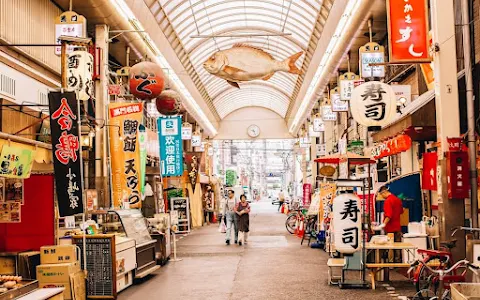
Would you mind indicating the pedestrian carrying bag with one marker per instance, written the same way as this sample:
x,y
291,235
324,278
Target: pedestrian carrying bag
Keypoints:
x,y
222,228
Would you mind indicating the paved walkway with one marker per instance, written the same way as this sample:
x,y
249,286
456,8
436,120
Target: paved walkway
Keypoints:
x,y
272,266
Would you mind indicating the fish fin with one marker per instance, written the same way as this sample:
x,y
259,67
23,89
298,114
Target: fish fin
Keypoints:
x,y
268,76
290,62
231,70
240,45
233,83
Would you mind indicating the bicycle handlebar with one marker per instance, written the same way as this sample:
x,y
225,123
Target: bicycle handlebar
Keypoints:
x,y
457,228
464,262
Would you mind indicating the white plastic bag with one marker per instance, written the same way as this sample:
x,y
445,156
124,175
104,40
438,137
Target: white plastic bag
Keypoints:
x,y
222,228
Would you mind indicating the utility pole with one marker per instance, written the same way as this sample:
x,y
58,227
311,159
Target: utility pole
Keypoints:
x,y
451,211
472,152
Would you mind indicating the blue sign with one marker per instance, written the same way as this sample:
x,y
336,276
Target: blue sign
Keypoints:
x,y
171,147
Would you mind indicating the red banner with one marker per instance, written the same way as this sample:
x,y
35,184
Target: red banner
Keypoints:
x,y
429,173
408,30
307,194
393,146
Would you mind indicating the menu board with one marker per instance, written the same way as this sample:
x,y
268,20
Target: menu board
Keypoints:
x,y
100,265
182,207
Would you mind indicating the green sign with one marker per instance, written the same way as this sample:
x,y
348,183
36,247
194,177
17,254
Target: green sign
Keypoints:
x,y
16,162
142,139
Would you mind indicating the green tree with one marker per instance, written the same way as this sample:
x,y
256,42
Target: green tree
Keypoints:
x,y
231,178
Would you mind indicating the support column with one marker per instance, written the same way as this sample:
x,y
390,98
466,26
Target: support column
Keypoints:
x,y
102,99
451,211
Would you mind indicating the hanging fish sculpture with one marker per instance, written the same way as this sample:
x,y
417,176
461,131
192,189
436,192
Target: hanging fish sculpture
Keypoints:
x,y
245,63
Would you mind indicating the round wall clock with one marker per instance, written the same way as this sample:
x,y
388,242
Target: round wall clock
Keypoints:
x,y
253,131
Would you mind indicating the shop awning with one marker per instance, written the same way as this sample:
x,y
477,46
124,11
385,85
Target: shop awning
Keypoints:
x,y
419,114
353,159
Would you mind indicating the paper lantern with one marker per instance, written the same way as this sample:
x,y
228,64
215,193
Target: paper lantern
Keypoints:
x,y
347,223
80,73
146,80
373,104
169,103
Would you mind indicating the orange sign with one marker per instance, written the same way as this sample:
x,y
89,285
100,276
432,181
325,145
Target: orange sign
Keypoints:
x,y
391,147
408,30
125,119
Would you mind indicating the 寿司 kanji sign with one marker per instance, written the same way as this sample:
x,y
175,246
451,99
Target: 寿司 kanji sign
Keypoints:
x,y
408,30
66,148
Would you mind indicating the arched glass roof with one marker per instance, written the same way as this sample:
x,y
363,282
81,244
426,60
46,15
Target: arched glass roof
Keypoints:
x,y
280,27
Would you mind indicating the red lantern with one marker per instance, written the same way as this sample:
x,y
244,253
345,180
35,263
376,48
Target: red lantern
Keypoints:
x,y
169,103
146,80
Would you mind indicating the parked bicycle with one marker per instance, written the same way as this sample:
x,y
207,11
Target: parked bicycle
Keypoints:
x,y
427,282
441,279
293,220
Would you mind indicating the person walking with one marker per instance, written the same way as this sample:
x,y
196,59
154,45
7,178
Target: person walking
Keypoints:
x,y
393,209
281,199
242,209
230,217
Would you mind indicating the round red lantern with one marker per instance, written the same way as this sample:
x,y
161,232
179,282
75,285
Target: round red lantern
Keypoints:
x,y
169,103
146,80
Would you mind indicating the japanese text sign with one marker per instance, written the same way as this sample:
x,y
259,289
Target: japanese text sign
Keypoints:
x,y
458,178
193,167
372,53
391,147
328,114
69,24
171,146
373,104
347,84
347,219
327,193
338,104
186,131
408,30
307,194
321,149
16,161
80,73
124,124
67,158
196,140
429,172
318,124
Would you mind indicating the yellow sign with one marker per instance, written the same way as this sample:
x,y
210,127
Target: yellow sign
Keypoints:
x,y
16,162
327,193
124,122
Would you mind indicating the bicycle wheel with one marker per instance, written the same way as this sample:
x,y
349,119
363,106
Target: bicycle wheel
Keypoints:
x,y
428,281
291,223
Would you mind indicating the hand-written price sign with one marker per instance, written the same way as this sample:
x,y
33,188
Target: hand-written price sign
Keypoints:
x,y
64,119
16,162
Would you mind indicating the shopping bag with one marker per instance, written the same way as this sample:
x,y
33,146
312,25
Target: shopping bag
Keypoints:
x,y
222,228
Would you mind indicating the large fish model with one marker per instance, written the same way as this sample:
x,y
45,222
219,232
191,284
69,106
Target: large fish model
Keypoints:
x,y
245,63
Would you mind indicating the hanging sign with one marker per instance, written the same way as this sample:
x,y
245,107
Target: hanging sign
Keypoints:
x,y
356,147
196,140
153,147
429,172
69,24
391,147
318,124
347,219
408,30
321,149
142,139
67,159
125,120
16,162
328,114
314,208
371,53
312,132
347,84
192,161
373,104
327,171
338,104
171,146
343,169
403,95
80,73
186,131
342,146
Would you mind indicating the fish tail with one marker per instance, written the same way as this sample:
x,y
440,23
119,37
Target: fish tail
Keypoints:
x,y
290,63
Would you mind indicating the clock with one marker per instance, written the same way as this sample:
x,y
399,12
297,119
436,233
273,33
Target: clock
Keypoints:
x,y
253,131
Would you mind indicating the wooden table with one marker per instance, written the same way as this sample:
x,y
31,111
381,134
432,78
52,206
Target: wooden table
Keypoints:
x,y
380,264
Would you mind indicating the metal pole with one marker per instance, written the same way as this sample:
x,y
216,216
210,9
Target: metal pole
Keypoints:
x,y
467,48
63,58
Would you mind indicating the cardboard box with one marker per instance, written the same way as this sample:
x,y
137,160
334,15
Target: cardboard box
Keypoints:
x,y
57,272
74,288
58,254
7,265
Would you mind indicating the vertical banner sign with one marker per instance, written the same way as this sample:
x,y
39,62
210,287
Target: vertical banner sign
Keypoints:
x,y
171,146
327,193
193,167
429,172
125,119
64,118
408,30
347,219
371,53
142,138
307,194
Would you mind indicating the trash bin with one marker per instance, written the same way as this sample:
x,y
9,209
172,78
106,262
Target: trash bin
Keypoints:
x,y
465,291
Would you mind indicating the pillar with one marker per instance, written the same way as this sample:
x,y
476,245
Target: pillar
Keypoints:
x,y
102,100
451,211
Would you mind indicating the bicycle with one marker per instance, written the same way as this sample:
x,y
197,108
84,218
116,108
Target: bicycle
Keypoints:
x,y
293,220
442,279
426,280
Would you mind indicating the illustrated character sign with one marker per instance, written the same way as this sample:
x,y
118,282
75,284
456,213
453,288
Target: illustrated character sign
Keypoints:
x,y
244,63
